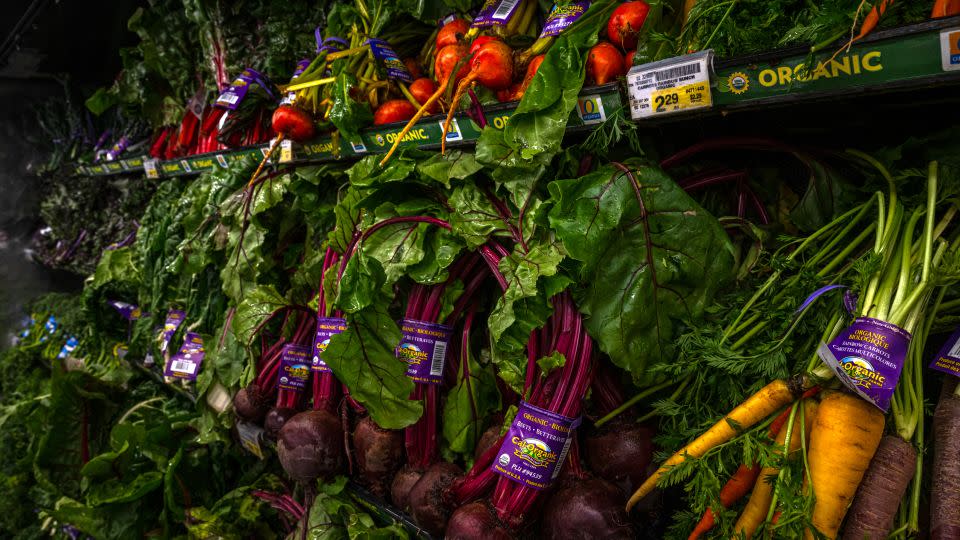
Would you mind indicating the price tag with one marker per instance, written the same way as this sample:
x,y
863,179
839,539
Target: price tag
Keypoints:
x,y
150,167
672,85
222,160
286,151
186,165
950,49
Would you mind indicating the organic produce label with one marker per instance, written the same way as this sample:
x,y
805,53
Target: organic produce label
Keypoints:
x,y
186,363
867,357
294,368
129,312
301,67
496,13
326,328
234,94
535,447
948,359
562,17
424,349
174,319
670,86
68,347
383,52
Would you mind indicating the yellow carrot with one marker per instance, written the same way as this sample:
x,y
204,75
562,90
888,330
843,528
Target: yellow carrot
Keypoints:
x,y
844,437
768,400
757,508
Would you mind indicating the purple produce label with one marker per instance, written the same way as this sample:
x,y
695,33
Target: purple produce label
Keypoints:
x,y
129,312
186,363
867,357
562,17
174,319
326,328
382,51
495,13
294,368
234,94
948,359
291,96
332,44
424,348
535,447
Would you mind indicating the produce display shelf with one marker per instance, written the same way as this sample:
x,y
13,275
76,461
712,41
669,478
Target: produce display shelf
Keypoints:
x,y
909,57
593,106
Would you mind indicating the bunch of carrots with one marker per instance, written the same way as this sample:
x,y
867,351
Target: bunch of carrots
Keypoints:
x,y
859,469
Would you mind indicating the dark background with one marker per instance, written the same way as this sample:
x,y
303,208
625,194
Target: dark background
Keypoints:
x,y
44,44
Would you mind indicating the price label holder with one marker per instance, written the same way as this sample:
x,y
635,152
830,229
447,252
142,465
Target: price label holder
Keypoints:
x,y
286,151
150,167
670,86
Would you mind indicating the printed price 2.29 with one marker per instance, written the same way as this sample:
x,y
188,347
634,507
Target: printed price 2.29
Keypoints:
x,y
663,100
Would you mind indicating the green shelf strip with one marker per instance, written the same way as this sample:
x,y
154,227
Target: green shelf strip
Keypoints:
x,y
906,57
595,103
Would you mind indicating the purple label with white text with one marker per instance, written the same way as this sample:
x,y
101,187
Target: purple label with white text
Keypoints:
x,y
384,53
129,312
174,319
495,13
561,17
948,359
234,94
326,328
68,347
867,357
535,447
424,349
186,363
294,368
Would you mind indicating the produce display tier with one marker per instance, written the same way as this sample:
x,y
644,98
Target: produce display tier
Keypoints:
x,y
915,57
594,104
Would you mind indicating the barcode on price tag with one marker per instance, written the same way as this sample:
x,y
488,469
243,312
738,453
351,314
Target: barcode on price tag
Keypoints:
x,y
150,167
672,85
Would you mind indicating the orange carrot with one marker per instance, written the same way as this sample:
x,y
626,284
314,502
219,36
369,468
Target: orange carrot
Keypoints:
x,y
755,512
771,397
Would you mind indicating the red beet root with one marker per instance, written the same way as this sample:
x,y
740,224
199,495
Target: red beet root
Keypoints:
x,y
587,509
251,403
489,438
379,453
492,66
604,63
620,453
413,67
310,446
275,420
293,123
451,33
447,60
395,110
625,23
426,497
403,482
421,90
476,521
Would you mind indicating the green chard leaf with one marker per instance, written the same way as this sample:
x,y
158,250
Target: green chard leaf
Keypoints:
x,y
363,358
642,273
